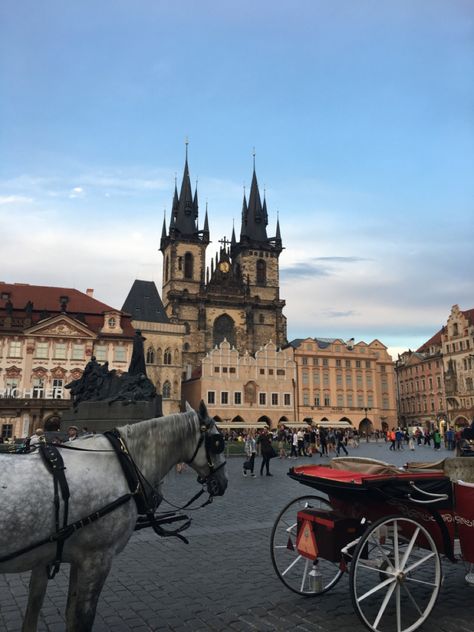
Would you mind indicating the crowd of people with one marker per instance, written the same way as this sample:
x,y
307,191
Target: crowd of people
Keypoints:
x,y
416,436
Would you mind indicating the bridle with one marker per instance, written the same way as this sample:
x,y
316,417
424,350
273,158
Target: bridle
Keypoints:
x,y
214,444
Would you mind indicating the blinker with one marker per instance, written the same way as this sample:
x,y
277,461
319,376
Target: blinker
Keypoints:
x,y
215,443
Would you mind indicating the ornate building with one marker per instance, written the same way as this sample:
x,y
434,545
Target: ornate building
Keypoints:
x,y
163,344
47,335
244,388
343,381
238,297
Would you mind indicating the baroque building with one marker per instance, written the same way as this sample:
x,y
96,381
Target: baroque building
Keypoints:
x,y
163,342
343,381
47,335
237,298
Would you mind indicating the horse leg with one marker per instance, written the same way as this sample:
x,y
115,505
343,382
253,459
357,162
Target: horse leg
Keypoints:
x,y
36,593
86,583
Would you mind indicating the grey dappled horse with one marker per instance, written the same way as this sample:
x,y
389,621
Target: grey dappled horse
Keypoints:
x,y
95,479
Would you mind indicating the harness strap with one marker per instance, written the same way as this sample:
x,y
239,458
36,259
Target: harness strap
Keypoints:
x,y
68,530
55,464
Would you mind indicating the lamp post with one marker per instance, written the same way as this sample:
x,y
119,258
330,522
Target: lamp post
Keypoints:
x,y
366,409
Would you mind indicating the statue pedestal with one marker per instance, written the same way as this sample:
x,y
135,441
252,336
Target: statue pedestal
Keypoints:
x,y
101,416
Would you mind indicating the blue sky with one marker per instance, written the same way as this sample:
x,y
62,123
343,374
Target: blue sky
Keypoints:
x,y
361,113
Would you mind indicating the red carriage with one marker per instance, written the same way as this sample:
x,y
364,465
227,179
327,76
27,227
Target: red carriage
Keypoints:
x,y
386,527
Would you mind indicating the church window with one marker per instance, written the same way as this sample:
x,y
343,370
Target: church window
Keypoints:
x,y
167,357
188,265
166,390
224,328
150,356
261,272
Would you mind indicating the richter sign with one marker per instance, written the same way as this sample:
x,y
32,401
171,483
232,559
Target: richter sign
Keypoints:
x,y
56,392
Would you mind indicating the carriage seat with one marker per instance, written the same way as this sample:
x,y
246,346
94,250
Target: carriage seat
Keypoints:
x,y
456,468
362,465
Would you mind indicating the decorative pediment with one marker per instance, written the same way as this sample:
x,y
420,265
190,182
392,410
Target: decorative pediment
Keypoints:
x,y
76,374
61,326
12,371
58,372
39,371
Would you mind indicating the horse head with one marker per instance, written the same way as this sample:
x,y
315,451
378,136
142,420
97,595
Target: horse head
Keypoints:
x,y
208,460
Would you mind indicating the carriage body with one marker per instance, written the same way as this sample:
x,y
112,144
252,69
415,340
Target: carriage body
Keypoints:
x,y
387,527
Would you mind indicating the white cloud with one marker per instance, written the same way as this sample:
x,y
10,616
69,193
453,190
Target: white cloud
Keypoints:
x,y
77,192
15,199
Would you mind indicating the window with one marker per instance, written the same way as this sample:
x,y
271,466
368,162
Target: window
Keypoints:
x,y
237,398
382,368
42,349
11,383
38,387
325,379
316,378
348,364
167,356
367,364
211,397
120,354
58,388
349,400
340,400
217,369
232,369
305,377
327,400
338,362
305,398
370,401
368,379
270,371
100,352
188,265
315,361
274,399
317,401
224,369
261,272
304,360
357,364
287,399
60,351
262,399
150,356
339,379
385,403
15,349
281,372
349,380
360,401
224,397
78,352
262,371
325,362
359,380
7,431
166,390
112,322
438,381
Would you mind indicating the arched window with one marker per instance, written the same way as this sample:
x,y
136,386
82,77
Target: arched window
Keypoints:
x,y
188,265
166,390
261,272
159,356
150,356
224,327
167,356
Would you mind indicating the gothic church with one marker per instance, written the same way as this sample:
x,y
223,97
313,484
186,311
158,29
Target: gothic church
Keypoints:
x,y
238,297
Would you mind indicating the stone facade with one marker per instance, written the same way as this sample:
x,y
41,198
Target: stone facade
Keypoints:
x,y
345,381
237,297
420,386
457,345
47,335
245,389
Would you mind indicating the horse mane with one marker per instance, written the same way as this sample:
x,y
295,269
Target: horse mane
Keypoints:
x,y
174,426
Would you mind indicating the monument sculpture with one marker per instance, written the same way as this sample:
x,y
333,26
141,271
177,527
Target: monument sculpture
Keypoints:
x,y
103,398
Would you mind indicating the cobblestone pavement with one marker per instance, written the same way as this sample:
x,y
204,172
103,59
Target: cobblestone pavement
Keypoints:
x,y
224,580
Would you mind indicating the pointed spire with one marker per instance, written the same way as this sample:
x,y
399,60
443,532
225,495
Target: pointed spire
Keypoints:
x,y
186,208
233,240
255,229
264,209
278,234
163,230
243,229
195,201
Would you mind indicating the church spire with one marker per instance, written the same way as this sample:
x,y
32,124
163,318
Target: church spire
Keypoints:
x,y
255,226
186,208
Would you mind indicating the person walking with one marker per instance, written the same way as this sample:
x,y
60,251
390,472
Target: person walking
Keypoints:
x,y
250,448
266,450
294,445
340,442
392,436
323,440
281,438
437,439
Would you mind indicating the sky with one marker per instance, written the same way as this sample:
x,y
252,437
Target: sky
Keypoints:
x,y
360,113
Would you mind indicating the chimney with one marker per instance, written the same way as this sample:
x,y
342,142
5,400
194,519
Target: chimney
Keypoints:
x,y
90,292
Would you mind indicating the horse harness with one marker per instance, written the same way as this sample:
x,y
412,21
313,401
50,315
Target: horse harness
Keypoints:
x,y
146,498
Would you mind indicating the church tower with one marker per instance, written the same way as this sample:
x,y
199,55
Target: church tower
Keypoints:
x,y
236,298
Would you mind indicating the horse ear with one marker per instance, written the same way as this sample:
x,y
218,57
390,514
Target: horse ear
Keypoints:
x,y
202,411
188,407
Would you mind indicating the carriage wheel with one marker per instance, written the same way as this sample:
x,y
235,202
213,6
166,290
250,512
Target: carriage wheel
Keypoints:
x,y
395,575
299,574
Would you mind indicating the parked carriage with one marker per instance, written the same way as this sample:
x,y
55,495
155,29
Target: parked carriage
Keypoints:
x,y
386,527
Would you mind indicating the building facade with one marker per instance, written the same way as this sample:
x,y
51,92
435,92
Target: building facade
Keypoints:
x,y
163,344
244,389
420,386
47,335
339,381
237,298
457,346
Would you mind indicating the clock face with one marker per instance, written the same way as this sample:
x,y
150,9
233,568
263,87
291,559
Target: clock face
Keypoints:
x,y
224,266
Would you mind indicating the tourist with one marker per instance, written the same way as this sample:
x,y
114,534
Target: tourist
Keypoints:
x,y
294,445
340,442
266,450
323,440
437,439
72,433
393,437
250,448
36,438
281,437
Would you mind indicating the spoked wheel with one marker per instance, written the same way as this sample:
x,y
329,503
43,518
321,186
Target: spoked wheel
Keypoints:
x,y
299,574
395,575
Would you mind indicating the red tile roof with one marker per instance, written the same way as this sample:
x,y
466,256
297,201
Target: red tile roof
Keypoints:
x,y
433,341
